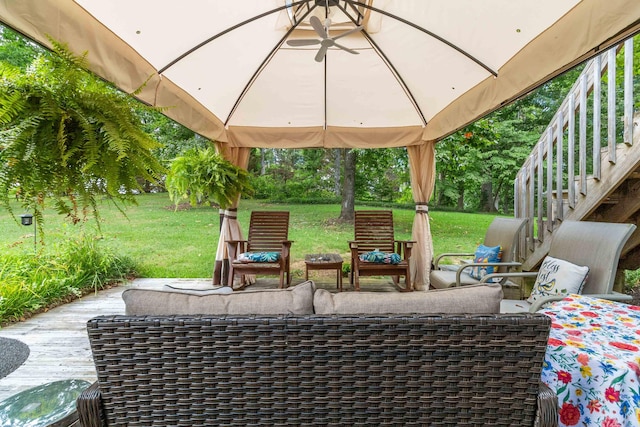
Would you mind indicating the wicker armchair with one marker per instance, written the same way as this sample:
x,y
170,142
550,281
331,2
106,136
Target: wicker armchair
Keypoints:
x,y
437,370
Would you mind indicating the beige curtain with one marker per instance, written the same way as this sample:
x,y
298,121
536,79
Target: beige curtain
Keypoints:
x,y
422,162
230,228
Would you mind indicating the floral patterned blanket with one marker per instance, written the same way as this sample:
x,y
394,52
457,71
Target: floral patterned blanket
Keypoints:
x,y
593,361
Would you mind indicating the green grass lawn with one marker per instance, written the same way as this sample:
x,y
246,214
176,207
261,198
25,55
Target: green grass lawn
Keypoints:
x,y
167,243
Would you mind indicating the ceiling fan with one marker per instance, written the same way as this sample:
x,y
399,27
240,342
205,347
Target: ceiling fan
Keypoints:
x,y
326,42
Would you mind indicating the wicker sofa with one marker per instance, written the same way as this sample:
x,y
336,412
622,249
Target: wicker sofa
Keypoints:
x,y
315,369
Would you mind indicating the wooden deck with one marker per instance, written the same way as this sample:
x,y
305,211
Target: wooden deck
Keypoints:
x,y
58,339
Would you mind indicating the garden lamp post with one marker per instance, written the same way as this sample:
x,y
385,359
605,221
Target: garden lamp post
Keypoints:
x,y
28,219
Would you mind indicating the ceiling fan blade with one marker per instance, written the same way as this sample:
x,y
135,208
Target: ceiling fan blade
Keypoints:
x,y
317,25
355,52
321,53
346,33
303,42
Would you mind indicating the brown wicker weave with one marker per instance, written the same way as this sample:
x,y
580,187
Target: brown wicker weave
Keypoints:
x,y
435,370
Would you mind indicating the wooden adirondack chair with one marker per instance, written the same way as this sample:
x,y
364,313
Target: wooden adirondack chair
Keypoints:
x,y
374,232
268,232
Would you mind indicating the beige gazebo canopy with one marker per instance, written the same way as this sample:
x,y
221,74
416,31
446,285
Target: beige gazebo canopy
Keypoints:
x,y
408,73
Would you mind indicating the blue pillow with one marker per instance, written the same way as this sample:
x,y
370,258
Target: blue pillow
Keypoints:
x,y
485,254
259,257
378,257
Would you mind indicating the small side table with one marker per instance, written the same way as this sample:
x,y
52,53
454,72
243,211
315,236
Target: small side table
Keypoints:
x,y
324,262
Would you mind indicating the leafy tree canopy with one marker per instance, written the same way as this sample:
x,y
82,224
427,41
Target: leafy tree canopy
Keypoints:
x,y
68,136
16,49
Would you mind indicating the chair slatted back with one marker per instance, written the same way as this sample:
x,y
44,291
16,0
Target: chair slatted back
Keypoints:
x,y
267,230
374,230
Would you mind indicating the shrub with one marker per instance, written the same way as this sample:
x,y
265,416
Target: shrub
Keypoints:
x,y
632,280
264,186
31,283
346,269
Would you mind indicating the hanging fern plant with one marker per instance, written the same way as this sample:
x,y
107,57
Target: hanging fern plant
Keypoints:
x,y
201,175
67,136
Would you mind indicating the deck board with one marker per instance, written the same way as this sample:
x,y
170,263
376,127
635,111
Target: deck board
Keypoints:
x,y
58,341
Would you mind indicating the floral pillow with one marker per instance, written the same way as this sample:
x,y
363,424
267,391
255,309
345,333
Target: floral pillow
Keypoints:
x,y
485,254
259,257
378,257
558,277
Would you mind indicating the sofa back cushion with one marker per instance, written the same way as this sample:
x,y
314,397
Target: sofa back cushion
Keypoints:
x,y
484,298
294,300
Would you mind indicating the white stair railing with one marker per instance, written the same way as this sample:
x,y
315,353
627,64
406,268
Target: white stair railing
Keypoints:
x,y
553,184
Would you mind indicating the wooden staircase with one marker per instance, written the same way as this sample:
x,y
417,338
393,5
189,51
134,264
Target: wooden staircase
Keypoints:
x,y
590,155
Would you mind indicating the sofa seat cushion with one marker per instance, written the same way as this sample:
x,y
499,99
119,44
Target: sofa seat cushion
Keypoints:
x,y
483,298
294,300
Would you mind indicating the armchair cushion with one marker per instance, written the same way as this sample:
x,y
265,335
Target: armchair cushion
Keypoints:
x,y
378,257
558,277
485,254
259,257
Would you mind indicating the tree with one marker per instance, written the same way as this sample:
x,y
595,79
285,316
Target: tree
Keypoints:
x,y
483,158
382,174
458,170
68,136
174,138
17,50
293,174
203,175
337,167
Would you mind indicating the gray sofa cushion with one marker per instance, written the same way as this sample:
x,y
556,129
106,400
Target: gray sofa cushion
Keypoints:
x,y
483,298
294,300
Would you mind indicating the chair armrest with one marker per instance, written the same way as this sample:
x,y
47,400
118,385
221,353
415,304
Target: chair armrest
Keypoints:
x,y
613,296
286,248
485,264
547,413
232,248
353,246
505,275
403,248
437,259
236,241
89,406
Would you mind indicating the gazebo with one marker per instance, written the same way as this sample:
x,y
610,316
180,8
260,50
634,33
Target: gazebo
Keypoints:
x,y
330,73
